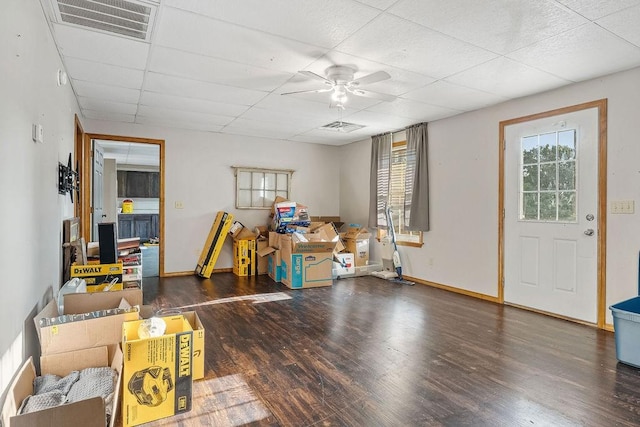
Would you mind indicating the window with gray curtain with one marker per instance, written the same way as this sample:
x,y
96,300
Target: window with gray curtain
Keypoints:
x,y
387,166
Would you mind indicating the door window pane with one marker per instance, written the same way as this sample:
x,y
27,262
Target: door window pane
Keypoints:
x,y
548,182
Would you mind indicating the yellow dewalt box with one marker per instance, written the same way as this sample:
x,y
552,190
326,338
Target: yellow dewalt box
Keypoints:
x,y
213,245
244,257
99,276
157,374
198,342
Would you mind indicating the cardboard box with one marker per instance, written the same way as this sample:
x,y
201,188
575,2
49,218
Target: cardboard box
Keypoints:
x,y
289,215
245,261
157,373
274,265
87,413
262,244
306,264
327,231
356,240
344,265
97,332
99,276
198,343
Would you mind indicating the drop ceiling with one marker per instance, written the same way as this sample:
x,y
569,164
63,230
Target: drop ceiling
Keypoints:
x,y
221,66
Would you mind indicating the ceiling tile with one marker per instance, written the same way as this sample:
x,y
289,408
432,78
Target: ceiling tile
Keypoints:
x,y
595,9
321,23
112,117
328,137
106,92
155,99
285,128
214,38
300,119
417,111
454,96
624,24
403,44
296,104
584,53
206,127
272,133
372,119
91,71
508,78
378,4
204,68
500,26
182,116
106,49
98,104
178,86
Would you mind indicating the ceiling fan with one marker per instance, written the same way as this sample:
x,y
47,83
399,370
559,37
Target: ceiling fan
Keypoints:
x,y
340,81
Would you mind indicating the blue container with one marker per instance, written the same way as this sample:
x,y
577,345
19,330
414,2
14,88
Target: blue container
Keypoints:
x,y
626,323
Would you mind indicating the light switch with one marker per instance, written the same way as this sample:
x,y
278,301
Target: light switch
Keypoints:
x,y
38,133
622,207
179,205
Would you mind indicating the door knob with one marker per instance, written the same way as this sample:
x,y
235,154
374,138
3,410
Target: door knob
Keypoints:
x,y
589,231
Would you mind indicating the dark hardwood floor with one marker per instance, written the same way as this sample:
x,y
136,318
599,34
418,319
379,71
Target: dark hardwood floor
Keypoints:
x,y
367,352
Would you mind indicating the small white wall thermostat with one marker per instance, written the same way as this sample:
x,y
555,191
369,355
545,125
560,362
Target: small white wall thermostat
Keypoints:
x,y
38,133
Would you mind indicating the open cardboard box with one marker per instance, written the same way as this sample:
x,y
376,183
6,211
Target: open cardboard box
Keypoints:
x,y
86,413
88,333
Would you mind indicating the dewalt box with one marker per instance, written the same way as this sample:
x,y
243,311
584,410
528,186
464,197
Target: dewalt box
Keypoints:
x,y
99,276
213,245
244,257
157,374
198,343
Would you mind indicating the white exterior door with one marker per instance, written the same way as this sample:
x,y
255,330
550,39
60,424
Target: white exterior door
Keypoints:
x,y
96,192
550,222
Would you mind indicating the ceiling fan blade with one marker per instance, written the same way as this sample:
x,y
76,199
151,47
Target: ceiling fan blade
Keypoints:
x,y
378,76
315,76
374,95
308,91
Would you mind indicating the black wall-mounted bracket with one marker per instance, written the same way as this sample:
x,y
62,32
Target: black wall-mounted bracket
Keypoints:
x,y
68,179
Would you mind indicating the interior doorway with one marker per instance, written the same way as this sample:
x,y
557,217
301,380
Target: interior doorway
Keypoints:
x,y
126,159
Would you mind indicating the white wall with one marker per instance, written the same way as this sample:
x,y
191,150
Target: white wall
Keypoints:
x,y
109,190
461,250
32,213
198,173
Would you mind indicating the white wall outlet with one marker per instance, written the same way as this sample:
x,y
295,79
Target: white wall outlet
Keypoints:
x,y
38,133
178,205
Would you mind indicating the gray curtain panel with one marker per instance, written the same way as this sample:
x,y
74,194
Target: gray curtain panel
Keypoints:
x,y
379,179
417,189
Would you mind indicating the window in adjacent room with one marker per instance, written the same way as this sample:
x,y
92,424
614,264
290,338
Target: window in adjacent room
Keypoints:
x,y
258,188
400,167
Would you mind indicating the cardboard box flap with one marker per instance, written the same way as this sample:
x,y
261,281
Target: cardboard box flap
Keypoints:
x,y
266,251
77,303
62,364
245,234
310,247
101,331
355,232
20,388
82,413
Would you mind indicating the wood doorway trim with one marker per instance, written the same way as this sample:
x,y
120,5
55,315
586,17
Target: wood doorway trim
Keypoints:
x,y
85,184
601,106
77,147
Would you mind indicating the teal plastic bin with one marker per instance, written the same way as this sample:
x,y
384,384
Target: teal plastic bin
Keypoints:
x,y
626,323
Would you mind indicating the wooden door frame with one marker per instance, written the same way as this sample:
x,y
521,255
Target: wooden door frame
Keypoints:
x,y
83,154
601,106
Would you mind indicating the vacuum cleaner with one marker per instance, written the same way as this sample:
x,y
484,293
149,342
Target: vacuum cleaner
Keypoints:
x,y
391,264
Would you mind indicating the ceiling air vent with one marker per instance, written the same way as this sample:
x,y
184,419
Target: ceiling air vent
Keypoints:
x,y
125,18
341,126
